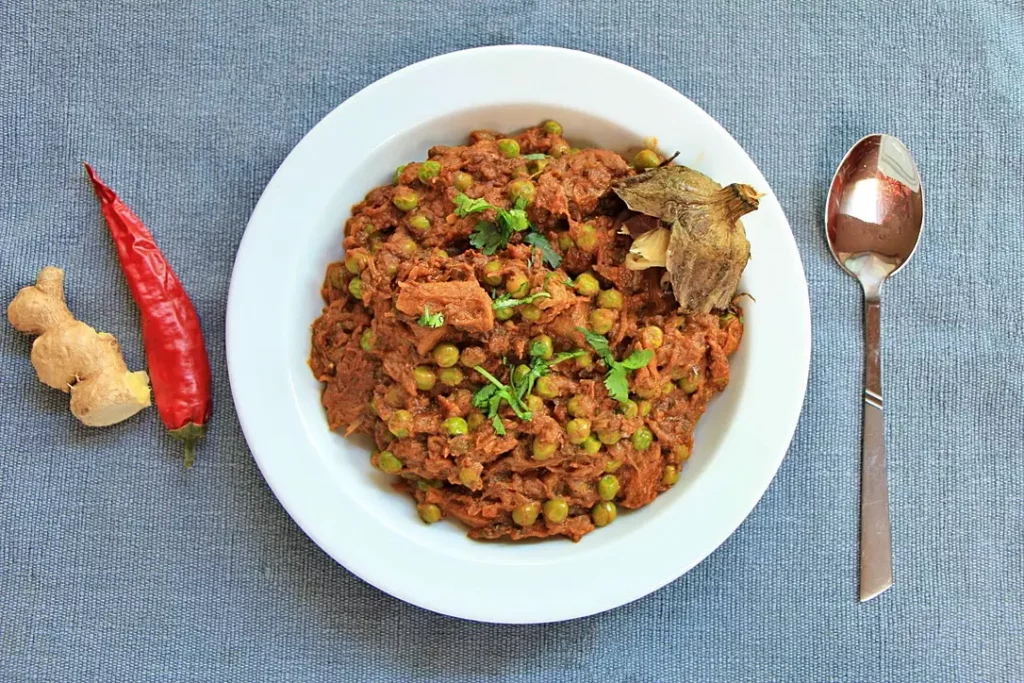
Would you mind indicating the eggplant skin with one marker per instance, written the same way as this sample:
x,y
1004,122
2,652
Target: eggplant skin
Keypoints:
x,y
708,248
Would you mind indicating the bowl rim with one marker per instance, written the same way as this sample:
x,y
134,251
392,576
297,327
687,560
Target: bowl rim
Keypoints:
x,y
304,499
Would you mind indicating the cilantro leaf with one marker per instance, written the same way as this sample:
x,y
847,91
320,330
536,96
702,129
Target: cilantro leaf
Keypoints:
x,y
465,206
637,359
513,220
617,384
616,381
499,426
534,157
552,259
429,319
506,300
598,343
503,392
565,355
482,398
488,238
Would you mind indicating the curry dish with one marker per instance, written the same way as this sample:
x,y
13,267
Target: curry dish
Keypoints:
x,y
504,330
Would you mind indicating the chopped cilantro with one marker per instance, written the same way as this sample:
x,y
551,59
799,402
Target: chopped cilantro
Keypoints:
x,y
429,319
465,206
616,381
534,157
552,259
506,300
488,238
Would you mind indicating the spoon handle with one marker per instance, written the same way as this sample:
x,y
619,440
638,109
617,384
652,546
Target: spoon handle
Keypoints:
x,y
875,533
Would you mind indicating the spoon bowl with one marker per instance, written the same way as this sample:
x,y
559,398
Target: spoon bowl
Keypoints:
x,y
873,220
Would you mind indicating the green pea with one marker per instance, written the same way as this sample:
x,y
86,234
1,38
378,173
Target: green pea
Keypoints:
x,y
591,445
609,437
680,452
690,382
629,408
602,320
556,510
585,361
546,387
368,340
517,285
535,166
508,147
469,478
559,150
424,377
427,484
530,312
337,278
472,356
612,466
455,426
608,487
419,223
388,463
578,406
565,242
504,313
462,181
522,190
542,347
578,430
668,389
429,170
445,355
610,298
356,261
575,150
405,199
642,439
526,514
372,407
400,423
451,377
491,274
535,404
520,373
355,287
552,127
429,512
652,337
646,158
670,475
407,246
603,513
475,419
543,450
586,285
398,173
648,391
645,408
586,237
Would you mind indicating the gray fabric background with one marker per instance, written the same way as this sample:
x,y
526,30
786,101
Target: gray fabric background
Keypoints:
x,y
118,565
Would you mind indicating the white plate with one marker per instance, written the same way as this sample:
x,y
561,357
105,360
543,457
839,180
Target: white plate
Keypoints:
x,y
326,482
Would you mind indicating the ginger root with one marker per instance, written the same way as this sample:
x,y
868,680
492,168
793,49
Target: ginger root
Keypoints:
x,y
73,357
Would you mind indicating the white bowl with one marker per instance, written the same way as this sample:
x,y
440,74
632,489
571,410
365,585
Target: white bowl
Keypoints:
x,y
326,482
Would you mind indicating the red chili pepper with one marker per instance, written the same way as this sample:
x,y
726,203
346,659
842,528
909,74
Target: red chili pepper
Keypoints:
x,y
175,353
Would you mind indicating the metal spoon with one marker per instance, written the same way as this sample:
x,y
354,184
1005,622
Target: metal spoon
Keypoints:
x,y
873,219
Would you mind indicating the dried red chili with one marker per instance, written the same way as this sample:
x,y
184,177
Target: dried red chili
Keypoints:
x,y
178,367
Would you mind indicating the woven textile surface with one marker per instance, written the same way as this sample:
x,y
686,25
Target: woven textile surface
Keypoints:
x,y
116,564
